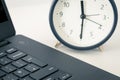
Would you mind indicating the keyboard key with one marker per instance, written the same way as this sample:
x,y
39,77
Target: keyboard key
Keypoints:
x,y
21,73
28,59
44,72
64,76
2,73
49,78
34,60
19,63
4,61
57,75
27,78
31,67
17,55
3,43
2,54
11,50
8,68
10,77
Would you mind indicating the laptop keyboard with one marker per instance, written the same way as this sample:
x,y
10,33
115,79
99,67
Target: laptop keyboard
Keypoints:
x,y
17,65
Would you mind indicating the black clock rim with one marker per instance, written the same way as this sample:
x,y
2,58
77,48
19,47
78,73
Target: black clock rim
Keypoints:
x,y
83,48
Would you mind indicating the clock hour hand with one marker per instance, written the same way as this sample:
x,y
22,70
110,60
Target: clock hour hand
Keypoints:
x,y
93,21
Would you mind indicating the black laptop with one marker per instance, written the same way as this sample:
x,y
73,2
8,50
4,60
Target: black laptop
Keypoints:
x,y
22,58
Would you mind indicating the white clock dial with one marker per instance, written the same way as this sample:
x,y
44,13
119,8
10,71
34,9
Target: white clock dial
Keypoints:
x,y
83,28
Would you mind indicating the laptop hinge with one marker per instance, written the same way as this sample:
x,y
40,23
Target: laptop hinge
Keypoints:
x,y
3,43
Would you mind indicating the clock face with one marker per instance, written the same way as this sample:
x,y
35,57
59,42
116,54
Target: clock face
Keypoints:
x,y
83,23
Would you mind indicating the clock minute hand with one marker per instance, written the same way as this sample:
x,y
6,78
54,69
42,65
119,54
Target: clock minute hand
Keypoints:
x,y
93,21
92,15
82,7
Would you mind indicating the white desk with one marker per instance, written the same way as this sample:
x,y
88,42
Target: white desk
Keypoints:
x,y
30,18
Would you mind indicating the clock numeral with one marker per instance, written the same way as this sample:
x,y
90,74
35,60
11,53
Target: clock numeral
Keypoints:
x,y
63,24
100,27
61,14
105,17
71,31
66,4
91,34
102,7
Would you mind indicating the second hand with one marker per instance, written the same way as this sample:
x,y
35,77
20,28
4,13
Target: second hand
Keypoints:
x,y
93,21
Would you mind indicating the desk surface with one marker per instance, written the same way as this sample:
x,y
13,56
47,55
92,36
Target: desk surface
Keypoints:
x,y
30,18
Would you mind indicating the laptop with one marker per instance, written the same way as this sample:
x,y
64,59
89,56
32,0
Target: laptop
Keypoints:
x,y
22,58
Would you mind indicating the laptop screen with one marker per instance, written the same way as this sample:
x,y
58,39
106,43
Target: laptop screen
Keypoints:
x,y
6,26
3,16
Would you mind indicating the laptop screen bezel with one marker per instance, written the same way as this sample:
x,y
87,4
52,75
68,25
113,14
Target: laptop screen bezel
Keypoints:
x,y
6,28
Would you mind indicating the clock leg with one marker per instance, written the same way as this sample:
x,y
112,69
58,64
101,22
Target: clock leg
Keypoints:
x,y
57,44
101,48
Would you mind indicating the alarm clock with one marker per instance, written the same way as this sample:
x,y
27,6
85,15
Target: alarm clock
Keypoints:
x,y
83,24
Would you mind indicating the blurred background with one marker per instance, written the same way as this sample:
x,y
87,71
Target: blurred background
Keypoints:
x,y
31,18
